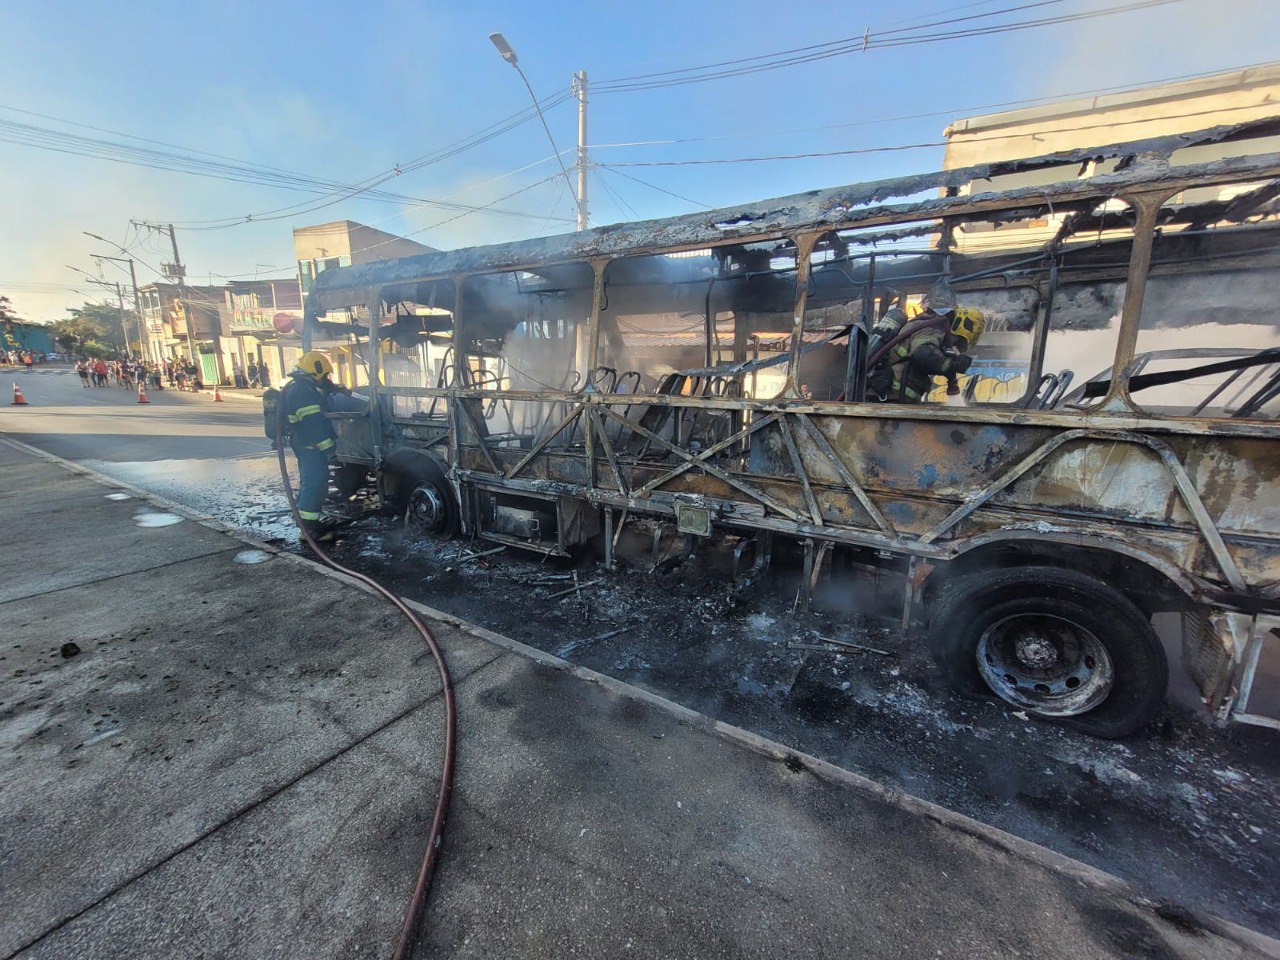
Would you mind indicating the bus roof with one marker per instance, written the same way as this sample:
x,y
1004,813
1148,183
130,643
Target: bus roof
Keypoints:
x,y
836,207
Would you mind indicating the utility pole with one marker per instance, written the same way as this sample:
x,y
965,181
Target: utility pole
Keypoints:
x,y
124,327
179,271
580,89
176,271
144,335
128,349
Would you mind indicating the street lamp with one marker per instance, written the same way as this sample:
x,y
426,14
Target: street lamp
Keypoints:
x,y
143,332
128,350
137,301
504,48
509,55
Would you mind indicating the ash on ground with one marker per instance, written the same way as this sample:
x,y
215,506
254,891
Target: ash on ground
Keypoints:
x,y
1185,811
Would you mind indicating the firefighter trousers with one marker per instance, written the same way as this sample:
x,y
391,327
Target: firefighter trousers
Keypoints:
x,y
313,485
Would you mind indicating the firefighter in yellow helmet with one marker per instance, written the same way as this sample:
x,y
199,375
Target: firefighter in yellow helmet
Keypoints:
x,y
306,398
925,350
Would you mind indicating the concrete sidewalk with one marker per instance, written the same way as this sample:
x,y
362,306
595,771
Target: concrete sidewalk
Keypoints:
x,y
241,761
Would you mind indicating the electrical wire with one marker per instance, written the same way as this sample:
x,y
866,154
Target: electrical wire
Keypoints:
x,y
849,45
1037,134
620,203
952,112
193,163
412,233
819,46
653,186
427,868
444,153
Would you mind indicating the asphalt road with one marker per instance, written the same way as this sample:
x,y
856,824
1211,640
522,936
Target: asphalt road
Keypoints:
x,y
107,423
1185,811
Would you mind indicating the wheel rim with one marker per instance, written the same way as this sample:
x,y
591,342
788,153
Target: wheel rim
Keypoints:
x,y
426,511
1046,664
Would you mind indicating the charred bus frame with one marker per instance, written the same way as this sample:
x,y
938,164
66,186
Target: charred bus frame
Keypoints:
x,y
1186,521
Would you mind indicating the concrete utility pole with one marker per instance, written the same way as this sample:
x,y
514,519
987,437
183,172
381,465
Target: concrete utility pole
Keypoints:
x,y
580,89
175,271
180,272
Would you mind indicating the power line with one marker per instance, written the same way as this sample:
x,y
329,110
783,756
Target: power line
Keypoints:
x,y
193,162
412,233
654,186
619,202
1218,111
952,112
827,46
855,44
444,153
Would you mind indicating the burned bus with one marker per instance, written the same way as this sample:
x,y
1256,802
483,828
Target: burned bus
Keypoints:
x,y
1110,456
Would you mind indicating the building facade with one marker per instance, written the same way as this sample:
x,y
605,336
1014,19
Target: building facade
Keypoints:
x,y
343,243
261,320
190,330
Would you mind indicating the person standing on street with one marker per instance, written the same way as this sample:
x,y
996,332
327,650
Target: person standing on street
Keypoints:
x,y
82,370
304,401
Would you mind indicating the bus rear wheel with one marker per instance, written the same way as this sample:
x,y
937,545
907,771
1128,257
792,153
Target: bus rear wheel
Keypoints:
x,y
1054,642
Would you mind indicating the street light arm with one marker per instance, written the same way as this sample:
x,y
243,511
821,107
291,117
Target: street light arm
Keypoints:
x,y
509,55
105,240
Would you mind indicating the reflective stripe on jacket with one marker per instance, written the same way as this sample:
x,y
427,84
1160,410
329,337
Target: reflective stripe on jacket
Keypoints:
x,y
305,402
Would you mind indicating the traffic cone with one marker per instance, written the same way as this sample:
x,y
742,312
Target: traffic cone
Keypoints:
x,y
18,399
217,394
142,393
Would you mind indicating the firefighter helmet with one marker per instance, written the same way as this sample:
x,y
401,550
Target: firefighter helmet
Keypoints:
x,y
315,364
968,324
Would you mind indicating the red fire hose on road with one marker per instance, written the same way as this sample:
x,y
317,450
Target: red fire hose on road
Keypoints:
x,y
426,872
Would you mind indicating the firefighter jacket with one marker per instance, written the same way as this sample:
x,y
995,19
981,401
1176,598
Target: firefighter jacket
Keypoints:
x,y
306,401
907,372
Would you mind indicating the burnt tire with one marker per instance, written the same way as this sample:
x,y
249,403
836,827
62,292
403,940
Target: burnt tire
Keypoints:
x,y
1054,642
404,486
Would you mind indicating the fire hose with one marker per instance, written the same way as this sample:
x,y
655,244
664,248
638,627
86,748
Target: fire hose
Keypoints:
x,y
426,871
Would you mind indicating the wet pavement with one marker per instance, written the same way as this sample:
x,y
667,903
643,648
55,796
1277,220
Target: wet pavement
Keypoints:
x,y
1185,811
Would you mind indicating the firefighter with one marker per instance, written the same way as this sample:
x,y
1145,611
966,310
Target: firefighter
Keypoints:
x,y
308,395
937,343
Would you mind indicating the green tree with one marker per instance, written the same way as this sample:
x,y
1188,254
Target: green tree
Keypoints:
x,y
6,311
95,323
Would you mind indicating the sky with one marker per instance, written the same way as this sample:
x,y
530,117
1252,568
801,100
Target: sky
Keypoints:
x,y
345,91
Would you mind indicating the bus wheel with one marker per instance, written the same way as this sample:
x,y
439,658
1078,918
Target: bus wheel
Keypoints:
x,y
430,510
1053,642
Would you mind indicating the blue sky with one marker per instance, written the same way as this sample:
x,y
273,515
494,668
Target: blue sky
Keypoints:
x,y
343,91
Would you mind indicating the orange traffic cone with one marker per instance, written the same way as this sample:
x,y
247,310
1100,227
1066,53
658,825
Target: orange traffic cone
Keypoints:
x,y
142,393
18,399
217,394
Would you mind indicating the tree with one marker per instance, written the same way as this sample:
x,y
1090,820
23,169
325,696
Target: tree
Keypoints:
x,y
95,323
6,311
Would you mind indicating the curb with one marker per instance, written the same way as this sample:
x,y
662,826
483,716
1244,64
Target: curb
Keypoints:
x,y
1000,840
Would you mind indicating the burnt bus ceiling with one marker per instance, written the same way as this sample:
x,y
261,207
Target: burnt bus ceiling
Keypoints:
x,y
1144,163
